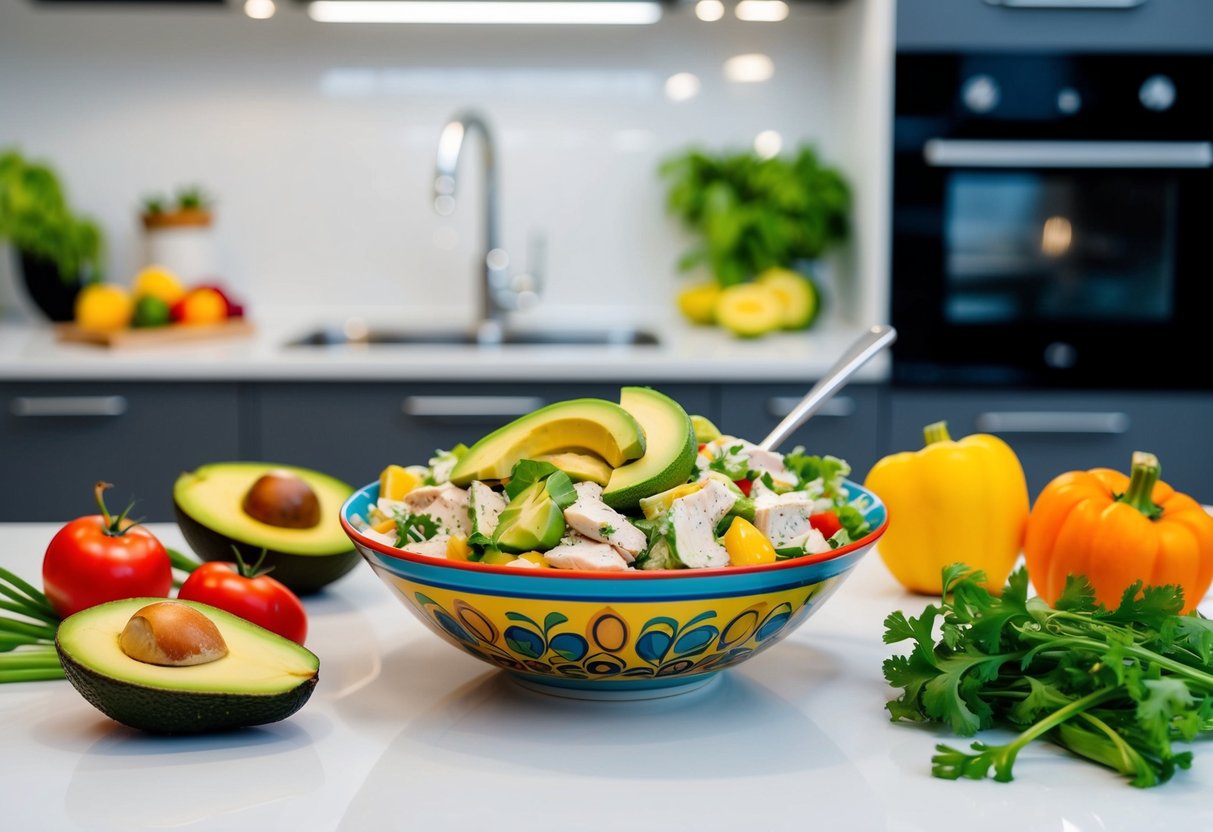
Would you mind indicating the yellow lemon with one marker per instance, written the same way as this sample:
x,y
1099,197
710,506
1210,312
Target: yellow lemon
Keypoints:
x,y
797,294
158,282
104,306
698,302
749,309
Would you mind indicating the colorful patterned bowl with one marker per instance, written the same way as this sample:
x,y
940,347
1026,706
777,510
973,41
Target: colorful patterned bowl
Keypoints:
x,y
617,635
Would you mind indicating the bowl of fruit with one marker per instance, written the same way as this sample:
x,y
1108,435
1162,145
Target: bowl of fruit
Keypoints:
x,y
601,549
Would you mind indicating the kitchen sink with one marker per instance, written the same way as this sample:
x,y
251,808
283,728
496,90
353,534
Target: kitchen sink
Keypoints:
x,y
345,336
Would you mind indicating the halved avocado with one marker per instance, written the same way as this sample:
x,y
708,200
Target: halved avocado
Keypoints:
x,y
263,678
211,511
668,457
593,426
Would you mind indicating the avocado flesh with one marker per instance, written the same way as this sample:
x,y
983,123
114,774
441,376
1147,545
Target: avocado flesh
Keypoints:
x,y
580,467
669,456
208,503
593,426
263,678
532,521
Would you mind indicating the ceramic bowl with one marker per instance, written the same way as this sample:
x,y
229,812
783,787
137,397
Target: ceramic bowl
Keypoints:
x,y
622,635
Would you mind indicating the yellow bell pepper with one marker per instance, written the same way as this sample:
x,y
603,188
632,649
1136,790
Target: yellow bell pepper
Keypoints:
x,y
963,501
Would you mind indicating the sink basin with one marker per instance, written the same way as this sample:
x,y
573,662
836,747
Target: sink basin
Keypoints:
x,y
338,336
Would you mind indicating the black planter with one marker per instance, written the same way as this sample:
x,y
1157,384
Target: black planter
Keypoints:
x,y
53,295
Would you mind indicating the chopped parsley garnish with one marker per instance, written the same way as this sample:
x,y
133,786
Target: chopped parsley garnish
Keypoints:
x,y
414,528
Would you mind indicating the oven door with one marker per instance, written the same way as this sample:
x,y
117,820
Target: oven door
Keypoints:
x,y
1053,263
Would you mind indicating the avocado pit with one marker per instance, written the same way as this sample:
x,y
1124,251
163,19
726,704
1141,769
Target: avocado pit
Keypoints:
x,y
284,500
171,634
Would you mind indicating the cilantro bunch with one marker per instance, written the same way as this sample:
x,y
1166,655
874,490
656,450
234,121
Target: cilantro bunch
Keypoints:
x,y
1117,687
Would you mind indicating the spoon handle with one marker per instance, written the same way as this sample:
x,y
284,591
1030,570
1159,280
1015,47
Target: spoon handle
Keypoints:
x,y
858,354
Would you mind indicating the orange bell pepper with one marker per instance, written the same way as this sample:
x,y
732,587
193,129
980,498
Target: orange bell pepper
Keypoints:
x,y
1116,530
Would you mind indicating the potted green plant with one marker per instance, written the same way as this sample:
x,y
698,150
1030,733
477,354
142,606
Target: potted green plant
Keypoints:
x,y
757,220
58,252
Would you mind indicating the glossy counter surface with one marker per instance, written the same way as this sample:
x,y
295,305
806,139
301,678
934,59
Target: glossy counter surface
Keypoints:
x,y
406,732
31,352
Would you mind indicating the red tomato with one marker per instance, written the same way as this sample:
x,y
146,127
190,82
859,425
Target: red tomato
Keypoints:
x,y
745,486
256,598
103,558
826,522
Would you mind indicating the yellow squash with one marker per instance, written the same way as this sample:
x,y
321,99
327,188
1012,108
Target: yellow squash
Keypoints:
x,y
963,501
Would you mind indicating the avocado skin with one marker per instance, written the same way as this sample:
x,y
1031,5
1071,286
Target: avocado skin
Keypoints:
x,y
176,712
302,574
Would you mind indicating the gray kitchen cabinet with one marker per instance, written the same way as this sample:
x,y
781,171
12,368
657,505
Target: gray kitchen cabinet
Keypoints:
x,y
352,430
58,439
1057,432
847,426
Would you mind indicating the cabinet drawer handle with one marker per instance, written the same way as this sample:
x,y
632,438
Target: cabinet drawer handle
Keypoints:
x,y
1111,423
462,407
780,406
34,406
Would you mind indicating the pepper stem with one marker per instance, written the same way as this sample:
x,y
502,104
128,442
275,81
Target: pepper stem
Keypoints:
x,y
1142,477
936,432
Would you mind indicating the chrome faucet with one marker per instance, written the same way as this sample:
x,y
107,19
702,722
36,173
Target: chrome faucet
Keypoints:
x,y
499,293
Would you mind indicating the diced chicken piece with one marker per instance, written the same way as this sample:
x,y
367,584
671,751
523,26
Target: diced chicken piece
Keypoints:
x,y
446,505
783,518
435,547
769,462
756,460
812,542
593,518
390,508
578,552
484,506
387,538
693,520
523,563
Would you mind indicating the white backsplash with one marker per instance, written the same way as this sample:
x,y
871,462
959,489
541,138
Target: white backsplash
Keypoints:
x,y
318,140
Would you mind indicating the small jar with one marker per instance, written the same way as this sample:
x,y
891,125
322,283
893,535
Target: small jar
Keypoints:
x,y
181,241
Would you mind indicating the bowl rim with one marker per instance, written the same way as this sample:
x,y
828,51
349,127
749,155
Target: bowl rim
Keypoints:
x,y
624,575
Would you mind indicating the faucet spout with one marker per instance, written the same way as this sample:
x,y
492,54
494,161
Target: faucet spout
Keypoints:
x,y
495,283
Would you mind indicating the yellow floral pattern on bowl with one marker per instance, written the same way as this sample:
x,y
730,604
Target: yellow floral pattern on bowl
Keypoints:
x,y
591,640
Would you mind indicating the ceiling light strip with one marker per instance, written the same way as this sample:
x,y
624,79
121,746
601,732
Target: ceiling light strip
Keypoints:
x,y
536,12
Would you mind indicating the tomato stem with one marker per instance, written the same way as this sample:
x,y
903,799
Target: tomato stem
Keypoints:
x,y
936,432
244,570
1142,478
99,492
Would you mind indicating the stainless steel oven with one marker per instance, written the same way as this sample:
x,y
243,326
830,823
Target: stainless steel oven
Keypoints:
x,y
1053,219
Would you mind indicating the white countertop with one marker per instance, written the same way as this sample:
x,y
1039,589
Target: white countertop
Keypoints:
x,y
30,352
404,731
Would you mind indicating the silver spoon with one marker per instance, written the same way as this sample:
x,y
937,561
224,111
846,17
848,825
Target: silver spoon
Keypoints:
x,y
858,354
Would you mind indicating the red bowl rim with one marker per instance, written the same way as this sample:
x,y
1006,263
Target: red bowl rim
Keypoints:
x,y
627,575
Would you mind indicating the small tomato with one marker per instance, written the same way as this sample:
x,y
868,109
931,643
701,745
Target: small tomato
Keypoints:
x,y
826,522
254,597
103,558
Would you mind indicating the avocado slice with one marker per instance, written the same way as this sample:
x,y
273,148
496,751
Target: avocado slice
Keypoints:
x,y
580,467
670,449
593,426
210,504
263,678
533,520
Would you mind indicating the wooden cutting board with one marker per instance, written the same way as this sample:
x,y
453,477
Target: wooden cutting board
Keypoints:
x,y
160,336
